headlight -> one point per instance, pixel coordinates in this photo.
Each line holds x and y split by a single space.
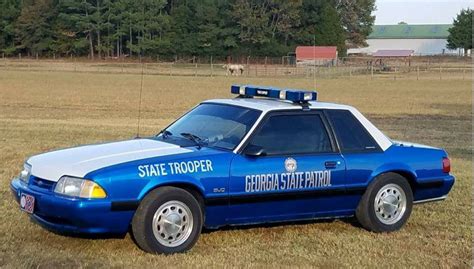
25 173
78 187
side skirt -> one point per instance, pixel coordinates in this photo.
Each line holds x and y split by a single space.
436 199
289 222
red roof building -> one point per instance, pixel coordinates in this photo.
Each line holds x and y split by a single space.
304 53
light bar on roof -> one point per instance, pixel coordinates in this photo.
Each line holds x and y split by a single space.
299 96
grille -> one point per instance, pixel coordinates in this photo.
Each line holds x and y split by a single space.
41 183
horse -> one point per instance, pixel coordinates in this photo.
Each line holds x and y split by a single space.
233 69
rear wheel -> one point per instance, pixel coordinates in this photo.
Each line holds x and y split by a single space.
168 220
386 204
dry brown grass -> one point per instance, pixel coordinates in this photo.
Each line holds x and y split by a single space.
45 110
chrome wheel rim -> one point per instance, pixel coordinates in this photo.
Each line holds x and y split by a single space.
172 223
390 204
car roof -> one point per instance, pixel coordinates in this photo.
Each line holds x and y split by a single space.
269 104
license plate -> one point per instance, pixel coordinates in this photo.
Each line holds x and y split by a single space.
27 203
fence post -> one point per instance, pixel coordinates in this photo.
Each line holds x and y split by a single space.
371 71
75 66
395 74
463 73
266 74
350 72
248 66
19 56
195 66
417 73
256 69
212 68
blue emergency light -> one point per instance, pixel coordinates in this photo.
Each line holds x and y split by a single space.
298 96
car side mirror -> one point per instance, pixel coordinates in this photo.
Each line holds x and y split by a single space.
254 151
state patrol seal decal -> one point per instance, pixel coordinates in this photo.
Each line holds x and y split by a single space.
290 165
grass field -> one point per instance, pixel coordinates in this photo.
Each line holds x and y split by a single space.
41 111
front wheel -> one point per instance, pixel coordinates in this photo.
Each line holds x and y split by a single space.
386 204
168 220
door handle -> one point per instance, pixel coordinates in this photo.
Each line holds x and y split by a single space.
330 164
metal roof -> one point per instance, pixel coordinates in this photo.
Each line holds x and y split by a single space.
393 53
315 52
410 31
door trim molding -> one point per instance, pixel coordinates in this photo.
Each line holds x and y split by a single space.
264 197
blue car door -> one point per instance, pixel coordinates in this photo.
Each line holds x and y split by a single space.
288 169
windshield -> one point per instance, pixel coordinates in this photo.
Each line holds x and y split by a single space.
211 125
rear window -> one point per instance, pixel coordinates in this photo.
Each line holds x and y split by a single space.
351 134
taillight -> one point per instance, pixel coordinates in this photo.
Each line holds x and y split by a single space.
446 165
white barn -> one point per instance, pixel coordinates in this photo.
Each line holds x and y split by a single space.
428 39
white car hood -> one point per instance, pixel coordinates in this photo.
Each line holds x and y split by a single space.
79 161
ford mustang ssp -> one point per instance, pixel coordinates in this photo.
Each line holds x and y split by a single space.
268 155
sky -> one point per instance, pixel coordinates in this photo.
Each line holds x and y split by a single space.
419 11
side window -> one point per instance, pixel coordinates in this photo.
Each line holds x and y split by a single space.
351 134
293 134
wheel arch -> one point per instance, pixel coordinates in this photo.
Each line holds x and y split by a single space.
409 176
401 169
193 189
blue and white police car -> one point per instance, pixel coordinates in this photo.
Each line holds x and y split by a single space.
281 157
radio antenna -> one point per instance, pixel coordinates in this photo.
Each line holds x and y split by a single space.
140 105
314 62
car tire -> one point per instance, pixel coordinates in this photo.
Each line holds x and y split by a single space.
168 220
386 204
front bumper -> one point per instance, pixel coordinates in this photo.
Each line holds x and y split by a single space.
73 215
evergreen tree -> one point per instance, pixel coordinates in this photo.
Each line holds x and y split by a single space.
77 26
184 28
310 18
460 35
9 12
329 31
207 19
357 19
266 25
33 29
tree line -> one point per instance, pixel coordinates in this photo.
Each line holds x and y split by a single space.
115 28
